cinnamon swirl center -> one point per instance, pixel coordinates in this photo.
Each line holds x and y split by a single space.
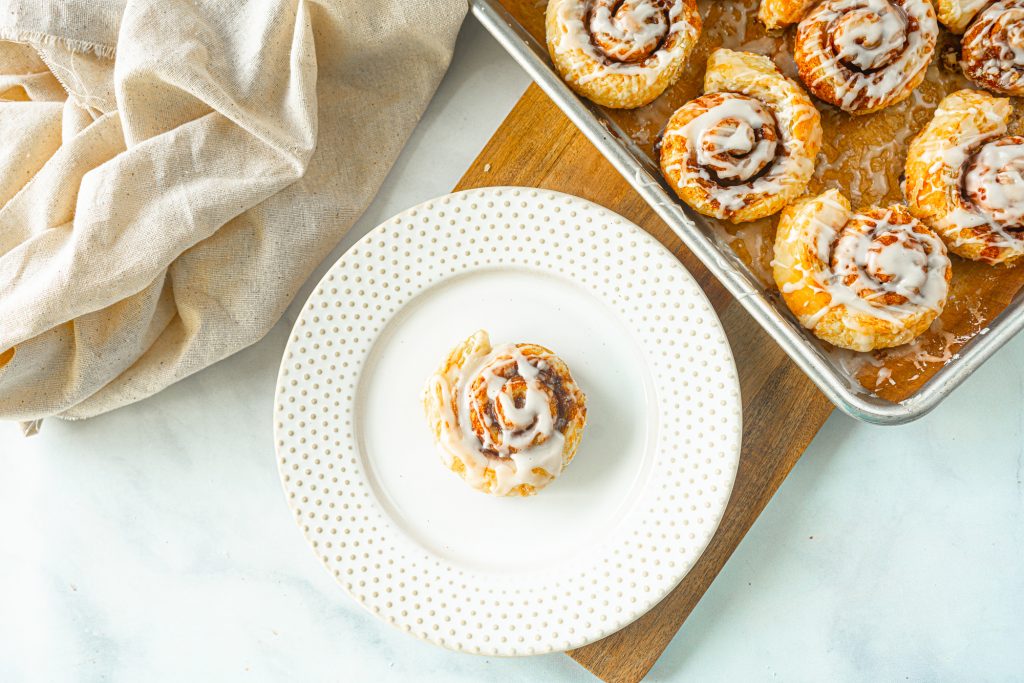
629 31
870 36
516 402
735 140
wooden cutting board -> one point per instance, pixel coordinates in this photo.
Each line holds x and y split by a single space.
537 146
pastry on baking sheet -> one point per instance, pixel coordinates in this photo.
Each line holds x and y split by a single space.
506 419
746 147
965 177
861 280
865 55
621 53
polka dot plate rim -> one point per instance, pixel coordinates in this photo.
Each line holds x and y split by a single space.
604 542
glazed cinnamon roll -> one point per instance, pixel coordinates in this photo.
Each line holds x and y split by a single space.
865 55
621 53
993 48
745 148
957 14
780 13
508 419
965 177
864 280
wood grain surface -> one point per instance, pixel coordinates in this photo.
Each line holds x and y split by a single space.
537 146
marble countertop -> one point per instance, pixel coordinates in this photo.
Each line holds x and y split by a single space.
154 543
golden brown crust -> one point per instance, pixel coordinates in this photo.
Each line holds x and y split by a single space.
506 420
747 146
776 14
993 48
865 58
621 54
957 14
834 269
975 208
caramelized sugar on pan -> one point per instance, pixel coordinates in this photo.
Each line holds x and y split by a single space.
864 157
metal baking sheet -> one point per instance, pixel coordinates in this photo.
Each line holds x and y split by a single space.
841 387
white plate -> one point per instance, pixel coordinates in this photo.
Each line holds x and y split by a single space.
601 544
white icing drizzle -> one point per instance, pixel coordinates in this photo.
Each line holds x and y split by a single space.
530 447
735 139
632 32
862 259
993 48
994 180
866 50
640 38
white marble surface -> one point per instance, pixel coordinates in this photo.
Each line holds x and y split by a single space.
154 543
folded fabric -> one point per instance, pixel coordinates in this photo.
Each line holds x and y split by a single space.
173 170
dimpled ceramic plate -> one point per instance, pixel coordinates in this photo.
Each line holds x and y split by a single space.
606 540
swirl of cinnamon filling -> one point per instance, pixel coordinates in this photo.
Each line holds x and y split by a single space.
621 53
865 55
747 146
993 48
628 30
965 177
507 419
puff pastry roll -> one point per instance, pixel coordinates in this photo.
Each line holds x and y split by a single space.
965 177
863 280
746 147
507 419
621 53
865 55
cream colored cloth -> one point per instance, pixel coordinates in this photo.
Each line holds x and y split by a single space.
173 170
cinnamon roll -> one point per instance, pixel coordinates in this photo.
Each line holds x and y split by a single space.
745 148
621 53
864 280
865 55
781 13
507 419
993 48
965 177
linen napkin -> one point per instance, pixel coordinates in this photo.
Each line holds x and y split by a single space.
173 170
